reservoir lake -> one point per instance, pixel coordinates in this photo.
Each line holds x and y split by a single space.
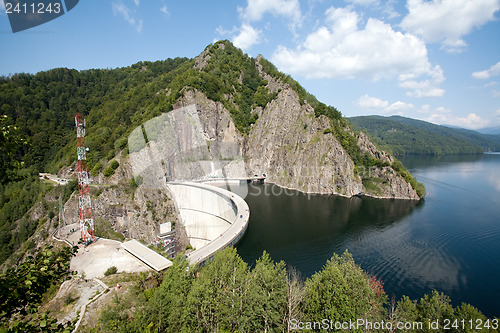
449 242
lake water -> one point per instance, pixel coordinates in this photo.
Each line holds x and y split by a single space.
449 242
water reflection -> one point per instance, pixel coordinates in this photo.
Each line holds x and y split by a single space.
413 162
305 230
449 242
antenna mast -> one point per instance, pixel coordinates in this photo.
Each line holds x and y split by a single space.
84 202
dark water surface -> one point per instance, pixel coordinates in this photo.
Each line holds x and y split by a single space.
449 242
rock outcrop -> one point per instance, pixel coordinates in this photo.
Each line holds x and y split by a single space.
132 212
294 148
288 144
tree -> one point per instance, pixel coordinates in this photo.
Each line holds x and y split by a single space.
341 292
217 298
295 296
22 288
165 310
437 308
11 143
266 301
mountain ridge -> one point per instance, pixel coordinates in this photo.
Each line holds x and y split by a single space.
280 129
401 136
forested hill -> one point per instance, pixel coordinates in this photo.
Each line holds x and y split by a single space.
403 136
38 130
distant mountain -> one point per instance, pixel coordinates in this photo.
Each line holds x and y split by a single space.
404 136
490 130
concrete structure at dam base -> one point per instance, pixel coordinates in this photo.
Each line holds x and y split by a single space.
214 218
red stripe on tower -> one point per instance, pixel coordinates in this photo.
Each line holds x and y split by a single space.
86 218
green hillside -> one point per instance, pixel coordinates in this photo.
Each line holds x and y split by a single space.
38 130
405 136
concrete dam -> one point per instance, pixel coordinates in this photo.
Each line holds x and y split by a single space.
214 218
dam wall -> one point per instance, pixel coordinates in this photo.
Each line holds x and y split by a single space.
214 218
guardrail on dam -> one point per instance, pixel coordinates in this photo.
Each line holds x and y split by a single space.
214 218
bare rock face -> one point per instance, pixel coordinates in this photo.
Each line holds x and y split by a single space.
385 182
202 60
389 185
289 145
365 145
293 148
215 119
134 213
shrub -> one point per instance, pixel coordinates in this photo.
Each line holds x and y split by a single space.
108 172
110 271
96 169
114 164
110 169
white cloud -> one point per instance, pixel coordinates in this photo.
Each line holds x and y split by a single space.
223 32
496 94
428 87
256 9
447 21
437 113
486 74
400 106
137 2
470 121
121 10
389 9
164 10
247 37
490 84
340 49
376 104
366 101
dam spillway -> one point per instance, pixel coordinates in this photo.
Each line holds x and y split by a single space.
214 218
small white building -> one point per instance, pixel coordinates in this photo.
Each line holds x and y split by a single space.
166 238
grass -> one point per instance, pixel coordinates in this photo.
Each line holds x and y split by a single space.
104 229
371 185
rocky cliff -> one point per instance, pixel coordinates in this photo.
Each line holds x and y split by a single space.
296 148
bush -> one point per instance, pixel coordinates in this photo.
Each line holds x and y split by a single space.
69 189
108 172
114 164
133 184
96 169
110 169
110 271
70 299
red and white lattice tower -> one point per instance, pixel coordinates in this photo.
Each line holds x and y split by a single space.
84 202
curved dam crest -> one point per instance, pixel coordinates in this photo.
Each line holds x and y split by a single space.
214 218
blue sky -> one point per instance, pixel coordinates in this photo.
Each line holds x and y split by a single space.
436 60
